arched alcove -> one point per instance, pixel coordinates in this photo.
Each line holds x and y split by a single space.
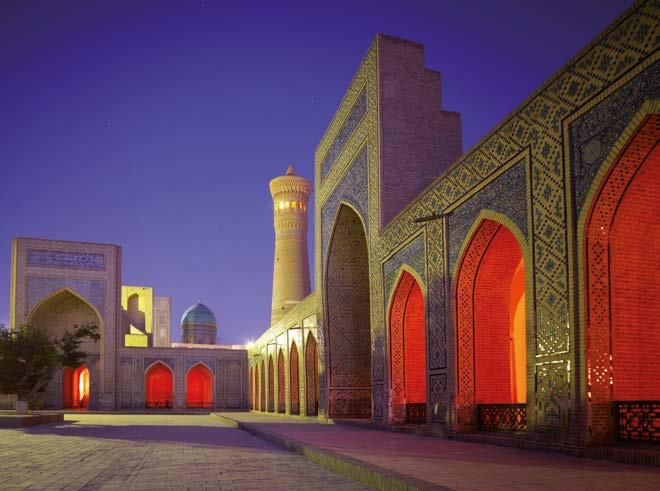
294 380
490 330
348 318
199 387
159 386
407 322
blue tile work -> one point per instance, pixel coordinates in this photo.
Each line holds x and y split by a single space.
65 259
413 255
353 190
191 362
593 134
150 360
351 122
92 291
505 194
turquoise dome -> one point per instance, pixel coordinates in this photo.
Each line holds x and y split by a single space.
198 314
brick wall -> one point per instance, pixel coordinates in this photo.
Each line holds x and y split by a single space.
418 139
492 316
635 286
415 347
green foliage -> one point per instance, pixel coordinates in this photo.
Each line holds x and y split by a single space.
29 356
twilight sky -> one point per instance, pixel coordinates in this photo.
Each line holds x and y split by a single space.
156 125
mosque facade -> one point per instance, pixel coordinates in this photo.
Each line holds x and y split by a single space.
135 365
505 293
509 290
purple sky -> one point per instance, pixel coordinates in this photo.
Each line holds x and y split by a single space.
156 125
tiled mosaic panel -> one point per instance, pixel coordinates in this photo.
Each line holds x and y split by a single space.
352 121
412 255
505 194
349 336
65 259
353 190
150 360
593 134
92 291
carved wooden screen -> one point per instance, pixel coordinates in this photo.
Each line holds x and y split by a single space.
349 333
312 376
281 387
294 380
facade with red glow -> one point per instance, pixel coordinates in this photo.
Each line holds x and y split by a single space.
59 284
508 289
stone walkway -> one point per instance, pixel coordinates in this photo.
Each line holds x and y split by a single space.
455 464
105 451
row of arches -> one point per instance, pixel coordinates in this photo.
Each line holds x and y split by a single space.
491 288
264 400
159 386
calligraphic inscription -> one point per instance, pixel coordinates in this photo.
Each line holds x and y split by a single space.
65 259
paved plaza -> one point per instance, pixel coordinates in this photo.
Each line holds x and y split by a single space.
123 451
453 464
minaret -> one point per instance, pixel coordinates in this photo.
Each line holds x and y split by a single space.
291 270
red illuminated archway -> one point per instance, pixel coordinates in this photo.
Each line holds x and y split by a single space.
408 352
622 296
294 380
159 382
75 387
199 387
281 387
312 376
490 330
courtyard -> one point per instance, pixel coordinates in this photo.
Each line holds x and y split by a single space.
129 451
209 451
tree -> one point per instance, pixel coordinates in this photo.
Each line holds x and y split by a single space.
30 357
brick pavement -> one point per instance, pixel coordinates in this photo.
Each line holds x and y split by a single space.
456 464
128 451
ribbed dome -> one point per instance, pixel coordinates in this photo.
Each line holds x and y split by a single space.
198 314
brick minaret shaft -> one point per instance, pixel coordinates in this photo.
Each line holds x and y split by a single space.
291 266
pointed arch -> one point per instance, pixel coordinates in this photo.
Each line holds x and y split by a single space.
311 376
407 342
271 385
491 312
159 385
58 309
347 302
199 387
262 387
281 382
75 385
620 234
294 380
252 385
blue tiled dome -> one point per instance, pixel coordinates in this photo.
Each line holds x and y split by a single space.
198 314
